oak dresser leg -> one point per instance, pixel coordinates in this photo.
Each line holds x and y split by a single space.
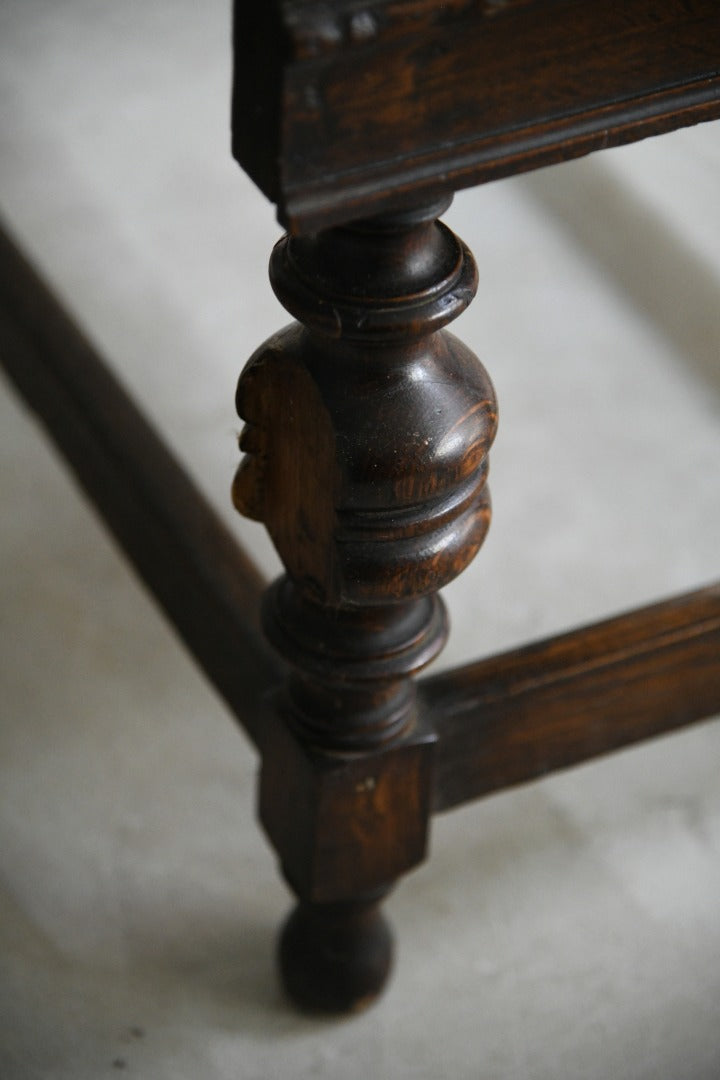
367 427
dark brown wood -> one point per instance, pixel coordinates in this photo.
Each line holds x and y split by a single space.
556 703
201 579
351 108
367 432
357 108
335 958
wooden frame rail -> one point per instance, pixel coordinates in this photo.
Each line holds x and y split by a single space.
201 579
345 109
516 717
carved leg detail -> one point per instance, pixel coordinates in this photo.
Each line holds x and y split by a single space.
366 440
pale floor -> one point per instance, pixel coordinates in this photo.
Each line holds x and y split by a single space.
569 930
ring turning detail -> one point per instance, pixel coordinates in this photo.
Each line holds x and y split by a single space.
367 432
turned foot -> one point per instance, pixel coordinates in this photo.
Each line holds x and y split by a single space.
335 958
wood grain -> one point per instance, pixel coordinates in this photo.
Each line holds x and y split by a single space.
346 109
557 703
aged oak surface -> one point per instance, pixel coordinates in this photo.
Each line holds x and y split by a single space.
204 583
366 440
367 427
367 430
348 108
556 703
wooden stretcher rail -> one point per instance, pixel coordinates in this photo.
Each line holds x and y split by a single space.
203 582
550 705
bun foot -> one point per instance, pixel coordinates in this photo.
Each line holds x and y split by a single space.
335 958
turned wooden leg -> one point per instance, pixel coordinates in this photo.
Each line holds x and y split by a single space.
366 439
336 957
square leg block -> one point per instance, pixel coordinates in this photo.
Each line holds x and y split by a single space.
345 825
